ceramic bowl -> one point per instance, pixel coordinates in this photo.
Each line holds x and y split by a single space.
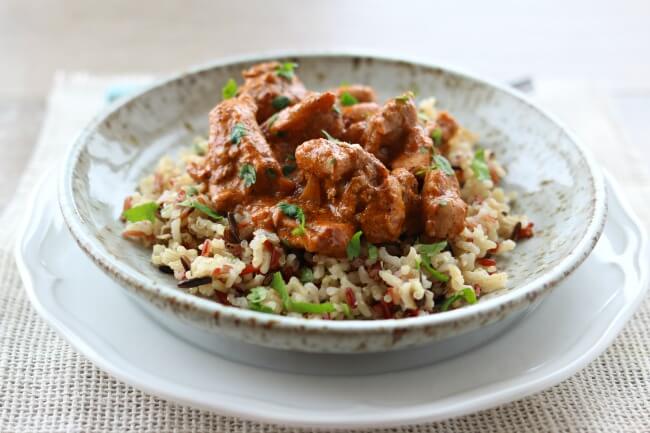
557 182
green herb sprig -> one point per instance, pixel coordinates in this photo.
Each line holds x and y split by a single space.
480 167
295 212
247 174
229 90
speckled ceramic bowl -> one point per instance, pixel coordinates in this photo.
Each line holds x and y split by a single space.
559 187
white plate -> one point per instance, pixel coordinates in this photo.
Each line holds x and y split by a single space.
577 323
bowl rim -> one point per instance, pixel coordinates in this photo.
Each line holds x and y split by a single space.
513 299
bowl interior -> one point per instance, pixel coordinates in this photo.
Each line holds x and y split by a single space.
551 176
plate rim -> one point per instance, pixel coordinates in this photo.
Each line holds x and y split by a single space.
489 398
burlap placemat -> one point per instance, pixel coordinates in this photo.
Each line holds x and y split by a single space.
46 387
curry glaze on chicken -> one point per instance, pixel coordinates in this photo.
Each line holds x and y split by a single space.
347 161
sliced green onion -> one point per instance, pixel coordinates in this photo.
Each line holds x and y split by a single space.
142 212
354 246
308 307
203 208
348 99
480 167
278 285
229 90
372 252
467 293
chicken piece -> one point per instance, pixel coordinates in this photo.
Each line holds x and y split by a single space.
323 234
358 112
263 84
444 210
304 121
360 92
239 162
394 135
448 128
355 187
412 200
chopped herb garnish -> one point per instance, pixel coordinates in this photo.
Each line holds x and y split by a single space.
479 166
444 165
229 90
328 136
467 293
278 285
431 249
405 97
298 307
280 102
426 252
191 190
257 295
354 246
238 131
348 99
436 136
308 307
202 208
255 298
142 212
372 252
306 275
285 70
247 173
295 212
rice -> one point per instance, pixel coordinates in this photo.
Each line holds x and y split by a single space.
193 247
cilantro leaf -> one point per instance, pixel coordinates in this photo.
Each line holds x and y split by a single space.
295 212
444 165
348 99
480 167
202 208
238 131
280 102
229 90
142 212
431 249
285 70
354 246
248 174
